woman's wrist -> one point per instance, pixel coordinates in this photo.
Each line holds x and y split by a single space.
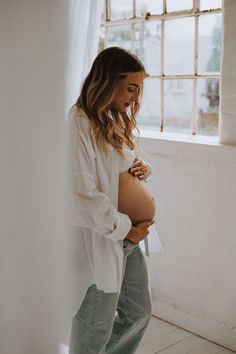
131 234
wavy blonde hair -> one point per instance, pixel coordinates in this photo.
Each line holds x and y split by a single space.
98 92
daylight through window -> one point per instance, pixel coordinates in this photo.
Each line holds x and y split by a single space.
179 43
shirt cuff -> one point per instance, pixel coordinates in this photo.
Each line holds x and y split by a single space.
123 226
149 172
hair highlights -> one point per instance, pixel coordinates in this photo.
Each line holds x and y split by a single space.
98 92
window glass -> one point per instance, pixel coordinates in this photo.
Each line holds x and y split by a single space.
149 114
179 46
208 106
120 36
148 45
210 4
209 52
173 5
143 36
101 43
178 105
153 7
121 9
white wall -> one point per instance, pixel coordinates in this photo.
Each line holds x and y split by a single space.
32 72
228 87
193 280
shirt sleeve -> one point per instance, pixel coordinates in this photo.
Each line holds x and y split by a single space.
140 152
89 207
149 171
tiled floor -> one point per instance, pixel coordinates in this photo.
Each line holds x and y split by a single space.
165 338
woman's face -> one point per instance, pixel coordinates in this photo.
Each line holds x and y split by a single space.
128 91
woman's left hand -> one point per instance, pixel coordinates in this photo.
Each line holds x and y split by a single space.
138 169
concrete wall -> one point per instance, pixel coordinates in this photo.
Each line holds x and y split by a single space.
193 280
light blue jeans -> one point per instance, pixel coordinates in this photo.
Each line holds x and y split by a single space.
114 322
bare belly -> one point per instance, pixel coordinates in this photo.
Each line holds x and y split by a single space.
134 199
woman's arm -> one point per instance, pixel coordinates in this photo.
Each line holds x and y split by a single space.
89 207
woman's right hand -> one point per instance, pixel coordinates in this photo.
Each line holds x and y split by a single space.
138 232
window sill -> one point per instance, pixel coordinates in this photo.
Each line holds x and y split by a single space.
193 147
182 138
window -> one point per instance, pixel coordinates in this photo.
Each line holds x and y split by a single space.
179 43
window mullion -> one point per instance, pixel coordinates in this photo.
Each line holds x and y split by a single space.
194 109
134 8
107 19
132 37
196 5
108 10
141 41
162 73
164 6
162 69
163 17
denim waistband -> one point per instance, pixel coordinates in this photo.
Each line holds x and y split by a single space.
128 244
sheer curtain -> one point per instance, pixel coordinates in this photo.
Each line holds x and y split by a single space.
83 37
84 23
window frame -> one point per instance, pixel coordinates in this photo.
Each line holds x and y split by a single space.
195 12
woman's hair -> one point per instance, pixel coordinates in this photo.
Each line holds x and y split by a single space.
98 92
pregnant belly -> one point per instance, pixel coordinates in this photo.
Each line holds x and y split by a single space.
134 199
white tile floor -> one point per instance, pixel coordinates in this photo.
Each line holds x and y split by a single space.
165 338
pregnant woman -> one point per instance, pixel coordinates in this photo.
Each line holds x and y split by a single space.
110 208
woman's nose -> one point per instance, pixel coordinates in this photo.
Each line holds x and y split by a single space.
135 97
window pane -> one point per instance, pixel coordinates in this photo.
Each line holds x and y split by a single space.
149 114
178 105
121 9
148 45
210 4
179 46
120 36
173 5
208 106
210 28
101 43
144 6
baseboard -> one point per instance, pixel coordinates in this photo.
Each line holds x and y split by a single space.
196 323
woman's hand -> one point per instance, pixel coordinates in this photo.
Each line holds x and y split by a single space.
138 169
138 232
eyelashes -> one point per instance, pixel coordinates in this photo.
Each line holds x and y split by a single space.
132 90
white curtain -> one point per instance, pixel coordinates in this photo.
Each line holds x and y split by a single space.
84 24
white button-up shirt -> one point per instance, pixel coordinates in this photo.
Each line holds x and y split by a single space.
98 228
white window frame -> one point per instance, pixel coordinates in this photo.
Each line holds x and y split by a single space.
194 12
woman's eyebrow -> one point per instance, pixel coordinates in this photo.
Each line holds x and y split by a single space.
134 85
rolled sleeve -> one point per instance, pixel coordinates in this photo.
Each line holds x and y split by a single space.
149 172
123 227
88 206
